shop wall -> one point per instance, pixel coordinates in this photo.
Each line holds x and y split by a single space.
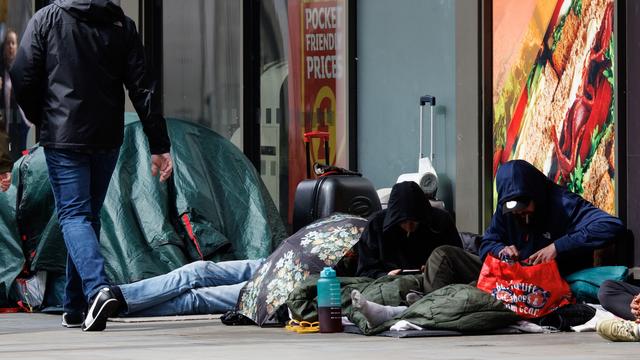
468 197
405 49
633 125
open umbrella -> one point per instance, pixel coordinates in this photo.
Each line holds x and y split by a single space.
322 243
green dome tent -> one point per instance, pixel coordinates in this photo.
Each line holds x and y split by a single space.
215 207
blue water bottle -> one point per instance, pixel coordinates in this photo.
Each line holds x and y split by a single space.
329 306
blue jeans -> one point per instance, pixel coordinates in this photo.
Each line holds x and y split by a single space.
201 287
80 181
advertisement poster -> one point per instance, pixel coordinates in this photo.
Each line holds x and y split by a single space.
554 92
317 83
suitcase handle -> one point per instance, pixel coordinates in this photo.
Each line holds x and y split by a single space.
323 135
316 134
431 100
428 99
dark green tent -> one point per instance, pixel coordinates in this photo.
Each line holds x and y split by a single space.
215 207
11 257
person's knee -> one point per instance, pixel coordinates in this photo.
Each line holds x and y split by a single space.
608 289
76 219
448 249
198 266
444 251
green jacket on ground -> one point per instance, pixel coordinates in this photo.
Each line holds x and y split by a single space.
5 160
455 307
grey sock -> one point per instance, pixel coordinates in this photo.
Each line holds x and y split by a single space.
375 314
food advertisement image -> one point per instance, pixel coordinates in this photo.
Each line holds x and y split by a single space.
554 92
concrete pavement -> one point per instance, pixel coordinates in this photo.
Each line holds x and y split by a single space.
40 336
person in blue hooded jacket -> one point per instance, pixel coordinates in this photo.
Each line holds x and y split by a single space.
537 221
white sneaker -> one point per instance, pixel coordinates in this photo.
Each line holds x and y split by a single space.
618 330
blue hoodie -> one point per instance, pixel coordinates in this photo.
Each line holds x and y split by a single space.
574 225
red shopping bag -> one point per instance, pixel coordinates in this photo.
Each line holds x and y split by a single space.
531 291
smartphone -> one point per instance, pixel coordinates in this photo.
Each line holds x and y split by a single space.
410 272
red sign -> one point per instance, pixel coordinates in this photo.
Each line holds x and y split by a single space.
316 83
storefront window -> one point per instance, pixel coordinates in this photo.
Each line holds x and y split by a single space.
14 16
303 88
202 60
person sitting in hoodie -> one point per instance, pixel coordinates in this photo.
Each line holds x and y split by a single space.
402 237
537 221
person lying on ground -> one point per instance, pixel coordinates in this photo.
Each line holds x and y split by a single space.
200 287
402 237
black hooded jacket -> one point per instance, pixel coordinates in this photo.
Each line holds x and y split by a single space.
384 246
68 77
574 225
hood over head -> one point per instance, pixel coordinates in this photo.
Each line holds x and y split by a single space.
92 10
407 201
519 180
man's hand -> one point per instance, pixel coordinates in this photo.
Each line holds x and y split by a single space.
509 252
5 181
395 272
162 163
544 255
635 307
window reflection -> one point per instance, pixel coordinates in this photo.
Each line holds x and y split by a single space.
14 16
202 45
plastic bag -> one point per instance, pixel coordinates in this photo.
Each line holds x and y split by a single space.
531 291
30 291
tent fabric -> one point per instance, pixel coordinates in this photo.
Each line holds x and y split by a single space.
230 213
36 218
11 256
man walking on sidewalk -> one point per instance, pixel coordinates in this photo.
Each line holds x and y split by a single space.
68 78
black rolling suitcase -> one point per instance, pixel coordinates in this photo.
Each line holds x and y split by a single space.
329 193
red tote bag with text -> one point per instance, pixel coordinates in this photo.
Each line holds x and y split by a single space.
531 291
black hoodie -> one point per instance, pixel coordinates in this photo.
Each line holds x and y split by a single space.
68 77
384 246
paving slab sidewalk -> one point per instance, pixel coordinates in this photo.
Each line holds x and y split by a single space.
40 336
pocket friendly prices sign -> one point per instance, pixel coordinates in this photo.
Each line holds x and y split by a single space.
323 70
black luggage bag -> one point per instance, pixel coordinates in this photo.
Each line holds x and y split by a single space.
321 197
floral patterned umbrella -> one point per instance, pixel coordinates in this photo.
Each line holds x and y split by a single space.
322 243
